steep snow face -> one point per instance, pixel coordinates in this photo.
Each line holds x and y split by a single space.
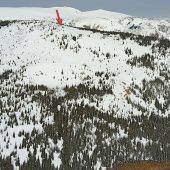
36 13
108 21
41 13
103 14
99 19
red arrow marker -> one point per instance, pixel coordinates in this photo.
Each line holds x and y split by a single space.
60 21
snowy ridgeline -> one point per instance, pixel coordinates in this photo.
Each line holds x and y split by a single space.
86 97
99 19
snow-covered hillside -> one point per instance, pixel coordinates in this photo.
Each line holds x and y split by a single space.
89 94
99 19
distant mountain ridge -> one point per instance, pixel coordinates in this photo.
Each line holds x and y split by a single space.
98 19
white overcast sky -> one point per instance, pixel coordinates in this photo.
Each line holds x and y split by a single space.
148 8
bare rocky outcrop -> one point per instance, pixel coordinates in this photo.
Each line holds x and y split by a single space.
144 165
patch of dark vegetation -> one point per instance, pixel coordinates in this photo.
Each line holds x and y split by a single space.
99 73
85 90
74 38
140 39
151 92
163 44
86 118
128 51
5 74
6 163
6 23
146 60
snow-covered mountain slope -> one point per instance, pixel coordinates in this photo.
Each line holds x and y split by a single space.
99 19
81 98
36 13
